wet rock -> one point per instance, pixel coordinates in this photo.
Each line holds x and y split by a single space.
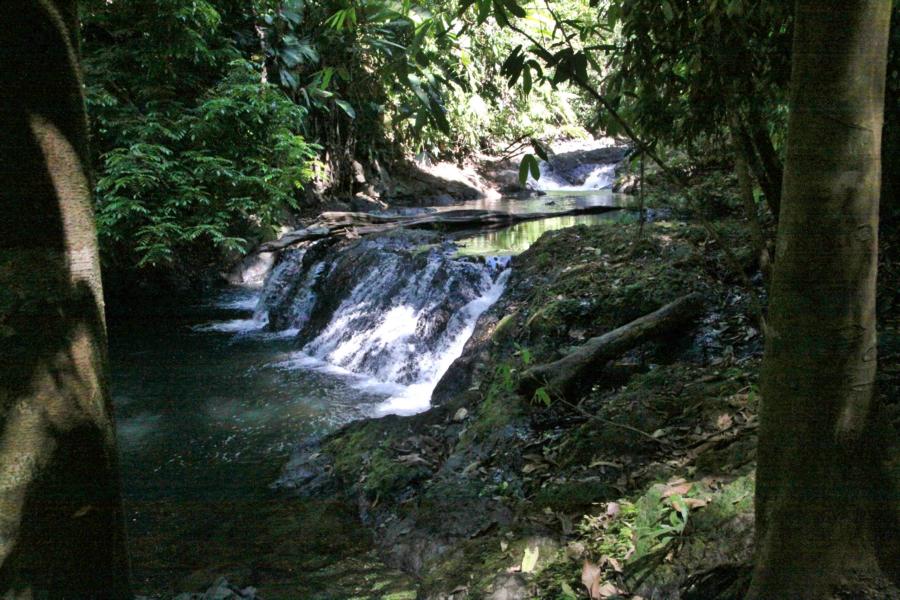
337 206
366 203
576 165
509 586
411 550
359 173
627 184
387 306
423 183
309 473
253 268
221 590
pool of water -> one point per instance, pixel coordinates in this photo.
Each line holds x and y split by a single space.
551 201
206 420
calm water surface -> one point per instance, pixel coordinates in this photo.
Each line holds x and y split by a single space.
206 420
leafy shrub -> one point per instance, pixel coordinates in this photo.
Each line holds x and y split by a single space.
202 179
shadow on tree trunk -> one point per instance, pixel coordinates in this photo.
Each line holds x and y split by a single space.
61 522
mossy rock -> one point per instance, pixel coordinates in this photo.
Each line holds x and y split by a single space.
385 475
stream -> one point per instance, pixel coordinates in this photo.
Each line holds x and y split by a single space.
209 412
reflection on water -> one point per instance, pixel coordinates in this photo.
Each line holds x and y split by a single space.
521 236
208 414
549 202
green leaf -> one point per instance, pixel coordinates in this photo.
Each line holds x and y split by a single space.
439 114
484 10
346 107
567 591
523 170
667 10
612 15
541 396
535 168
514 8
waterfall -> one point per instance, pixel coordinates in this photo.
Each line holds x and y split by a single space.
391 312
596 177
580 166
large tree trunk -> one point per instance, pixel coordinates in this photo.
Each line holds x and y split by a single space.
61 522
819 488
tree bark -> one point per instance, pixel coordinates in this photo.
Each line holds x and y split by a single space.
768 173
820 485
771 170
61 520
569 372
745 182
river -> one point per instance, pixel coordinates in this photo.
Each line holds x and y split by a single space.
207 415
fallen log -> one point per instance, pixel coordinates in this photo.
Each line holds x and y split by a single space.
351 224
587 360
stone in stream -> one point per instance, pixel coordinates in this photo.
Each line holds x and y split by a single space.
220 590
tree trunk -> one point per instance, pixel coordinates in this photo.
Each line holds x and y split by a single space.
745 182
819 483
771 170
61 521
586 363
354 224
769 177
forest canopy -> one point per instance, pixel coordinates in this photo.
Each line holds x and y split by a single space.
213 120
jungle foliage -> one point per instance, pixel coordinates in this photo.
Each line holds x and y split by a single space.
213 120
210 117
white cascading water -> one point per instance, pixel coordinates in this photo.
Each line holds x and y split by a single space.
599 177
383 313
393 339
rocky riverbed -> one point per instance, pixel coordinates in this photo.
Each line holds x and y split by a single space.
487 493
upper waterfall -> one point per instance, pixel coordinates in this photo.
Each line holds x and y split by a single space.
581 165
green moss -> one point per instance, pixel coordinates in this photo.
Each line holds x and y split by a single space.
423 249
505 328
385 475
403 595
497 411
347 449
